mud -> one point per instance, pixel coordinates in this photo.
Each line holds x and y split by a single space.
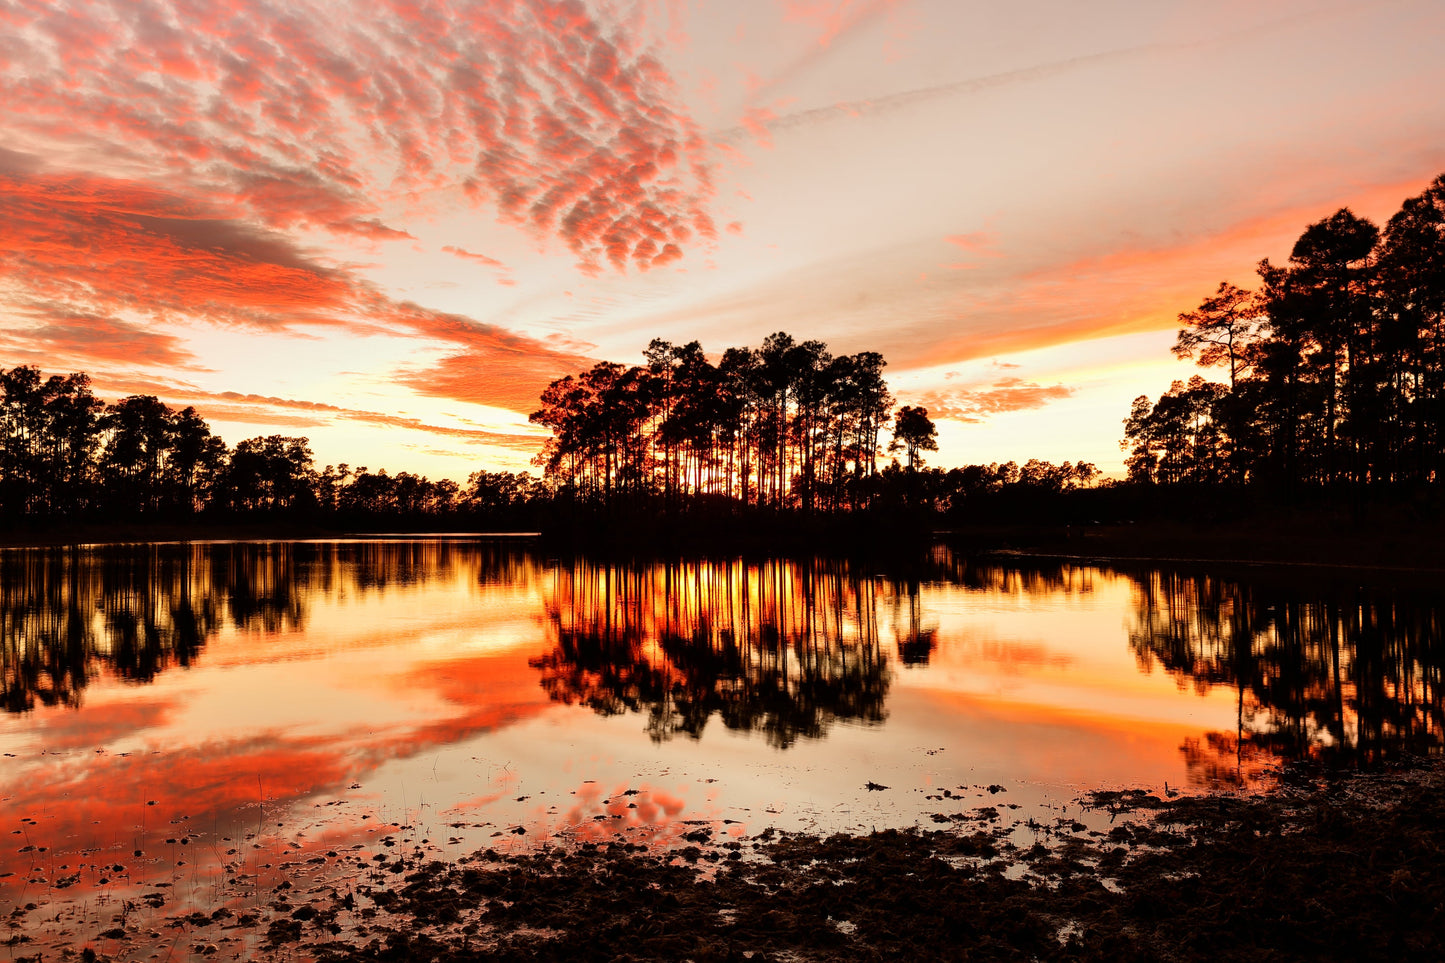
1323 867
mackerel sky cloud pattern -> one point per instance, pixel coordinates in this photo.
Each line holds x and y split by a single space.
161 157
306 115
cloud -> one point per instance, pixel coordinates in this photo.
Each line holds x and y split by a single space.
480 258
1132 288
496 378
99 267
548 113
1046 293
65 338
82 245
977 241
834 18
977 405
300 413
254 415
909 98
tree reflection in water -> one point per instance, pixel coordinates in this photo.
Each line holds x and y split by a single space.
68 614
1342 676
780 647
786 648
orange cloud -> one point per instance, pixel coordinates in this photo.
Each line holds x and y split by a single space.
72 242
978 241
66 338
81 251
295 413
506 379
975 405
1128 290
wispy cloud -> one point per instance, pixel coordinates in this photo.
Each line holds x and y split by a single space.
844 110
66 339
77 244
101 267
835 17
472 256
976 404
250 408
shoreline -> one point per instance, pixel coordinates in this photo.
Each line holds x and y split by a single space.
1297 546
1345 869
1342 866
1381 553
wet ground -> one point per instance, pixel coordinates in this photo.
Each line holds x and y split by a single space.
1347 867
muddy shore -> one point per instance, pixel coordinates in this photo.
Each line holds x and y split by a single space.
1323 867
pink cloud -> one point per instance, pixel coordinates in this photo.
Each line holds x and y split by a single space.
756 120
553 116
834 18
479 258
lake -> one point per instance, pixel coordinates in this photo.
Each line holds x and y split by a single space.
188 726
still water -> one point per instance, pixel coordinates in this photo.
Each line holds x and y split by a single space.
207 716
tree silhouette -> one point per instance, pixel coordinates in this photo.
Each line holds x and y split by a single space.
1337 367
913 432
1220 330
783 426
66 454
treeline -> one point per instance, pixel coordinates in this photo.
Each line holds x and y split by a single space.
66 454
783 426
1336 365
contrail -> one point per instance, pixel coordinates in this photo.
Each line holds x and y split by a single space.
854 108
879 105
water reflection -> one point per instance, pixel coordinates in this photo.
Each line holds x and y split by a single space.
783 648
68 615
1347 675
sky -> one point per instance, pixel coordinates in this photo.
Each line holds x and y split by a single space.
386 226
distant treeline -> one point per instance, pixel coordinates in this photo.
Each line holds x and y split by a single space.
810 443
1336 368
66 454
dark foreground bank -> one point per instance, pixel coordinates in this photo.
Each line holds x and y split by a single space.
1348 869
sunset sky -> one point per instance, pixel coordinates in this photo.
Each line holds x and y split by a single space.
387 225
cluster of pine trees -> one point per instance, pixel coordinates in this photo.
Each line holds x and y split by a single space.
66 453
1336 367
785 426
